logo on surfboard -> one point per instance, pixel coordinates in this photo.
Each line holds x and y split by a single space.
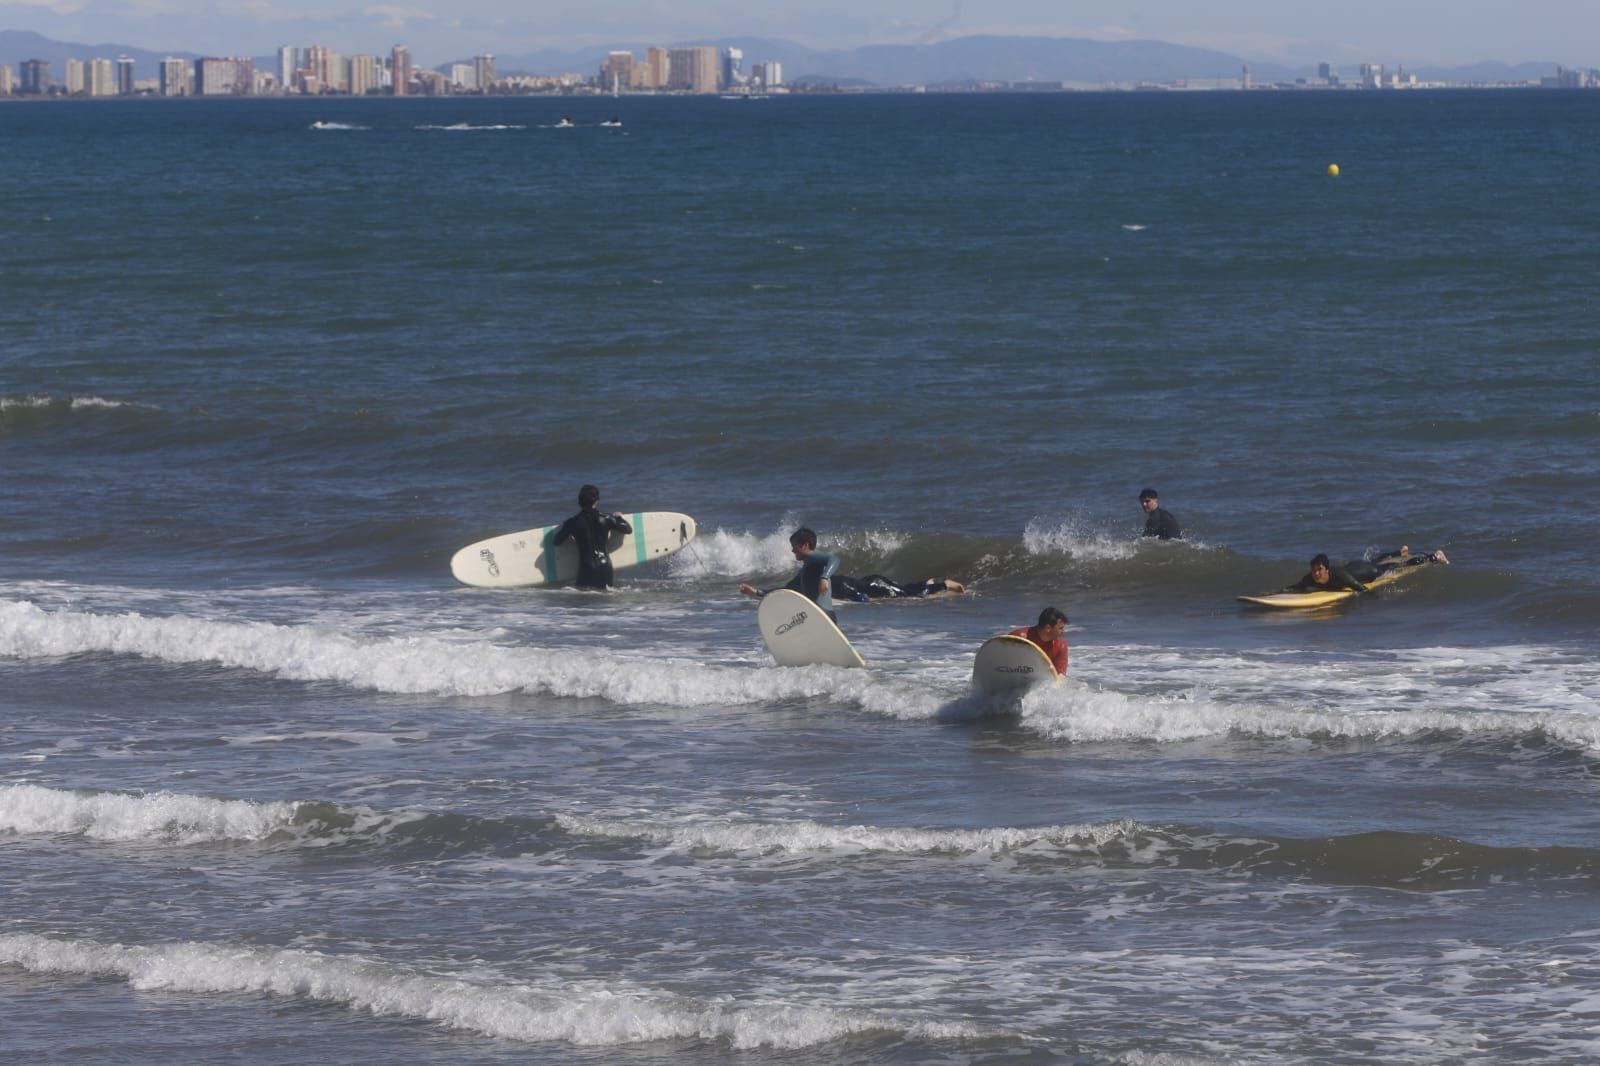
798 620
1013 669
488 558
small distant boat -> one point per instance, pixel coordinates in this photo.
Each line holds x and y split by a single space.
612 122
565 123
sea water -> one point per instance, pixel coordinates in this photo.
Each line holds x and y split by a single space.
274 788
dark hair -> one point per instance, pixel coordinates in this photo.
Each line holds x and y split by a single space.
1320 559
1050 616
588 496
803 536
1148 494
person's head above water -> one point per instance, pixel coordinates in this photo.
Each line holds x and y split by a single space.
1052 623
1149 499
588 496
802 538
1321 568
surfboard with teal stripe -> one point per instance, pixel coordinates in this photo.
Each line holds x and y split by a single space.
527 559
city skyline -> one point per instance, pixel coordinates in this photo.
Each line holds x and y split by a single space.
317 69
1426 32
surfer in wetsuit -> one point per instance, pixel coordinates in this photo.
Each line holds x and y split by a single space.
1401 557
878 587
1325 577
1159 522
814 578
590 529
1050 635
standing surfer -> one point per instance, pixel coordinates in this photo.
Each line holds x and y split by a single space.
591 529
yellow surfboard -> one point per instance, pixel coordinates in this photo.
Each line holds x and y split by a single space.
1304 600
1010 663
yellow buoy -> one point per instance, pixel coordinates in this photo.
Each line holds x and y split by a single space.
1333 170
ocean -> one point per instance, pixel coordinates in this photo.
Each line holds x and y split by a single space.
275 788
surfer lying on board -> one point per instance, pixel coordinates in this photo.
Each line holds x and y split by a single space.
1051 636
591 528
813 580
878 587
1325 577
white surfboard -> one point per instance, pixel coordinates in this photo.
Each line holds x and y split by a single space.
1010 664
799 633
519 560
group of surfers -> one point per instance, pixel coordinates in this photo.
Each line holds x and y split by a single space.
818 578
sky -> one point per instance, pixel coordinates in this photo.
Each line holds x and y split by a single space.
1410 32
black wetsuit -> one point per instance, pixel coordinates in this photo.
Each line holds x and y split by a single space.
878 587
590 529
1161 523
1365 570
1338 579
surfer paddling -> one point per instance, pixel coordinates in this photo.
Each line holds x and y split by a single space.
814 578
878 587
1050 635
590 529
1354 574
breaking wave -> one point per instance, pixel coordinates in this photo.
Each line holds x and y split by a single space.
589 1013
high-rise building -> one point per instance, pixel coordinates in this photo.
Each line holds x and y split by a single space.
732 67
99 78
323 66
174 77
74 77
125 71
231 76
769 74
35 77
483 70
400 70
657 68
694 69
463 76
8 83
364 74
286 66
616 72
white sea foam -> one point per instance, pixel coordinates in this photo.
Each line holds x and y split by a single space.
1069 538
444 667
814 836
458 127
591 1013
75 403
1082 713
337 126
722 553
162 816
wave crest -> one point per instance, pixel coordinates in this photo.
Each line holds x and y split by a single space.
582 1013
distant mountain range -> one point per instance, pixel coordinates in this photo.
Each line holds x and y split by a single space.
18 45
1008 59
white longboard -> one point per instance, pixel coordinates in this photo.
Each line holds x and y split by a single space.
1010 664
799 633
517 560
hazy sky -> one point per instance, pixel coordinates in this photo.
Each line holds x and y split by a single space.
1413 32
